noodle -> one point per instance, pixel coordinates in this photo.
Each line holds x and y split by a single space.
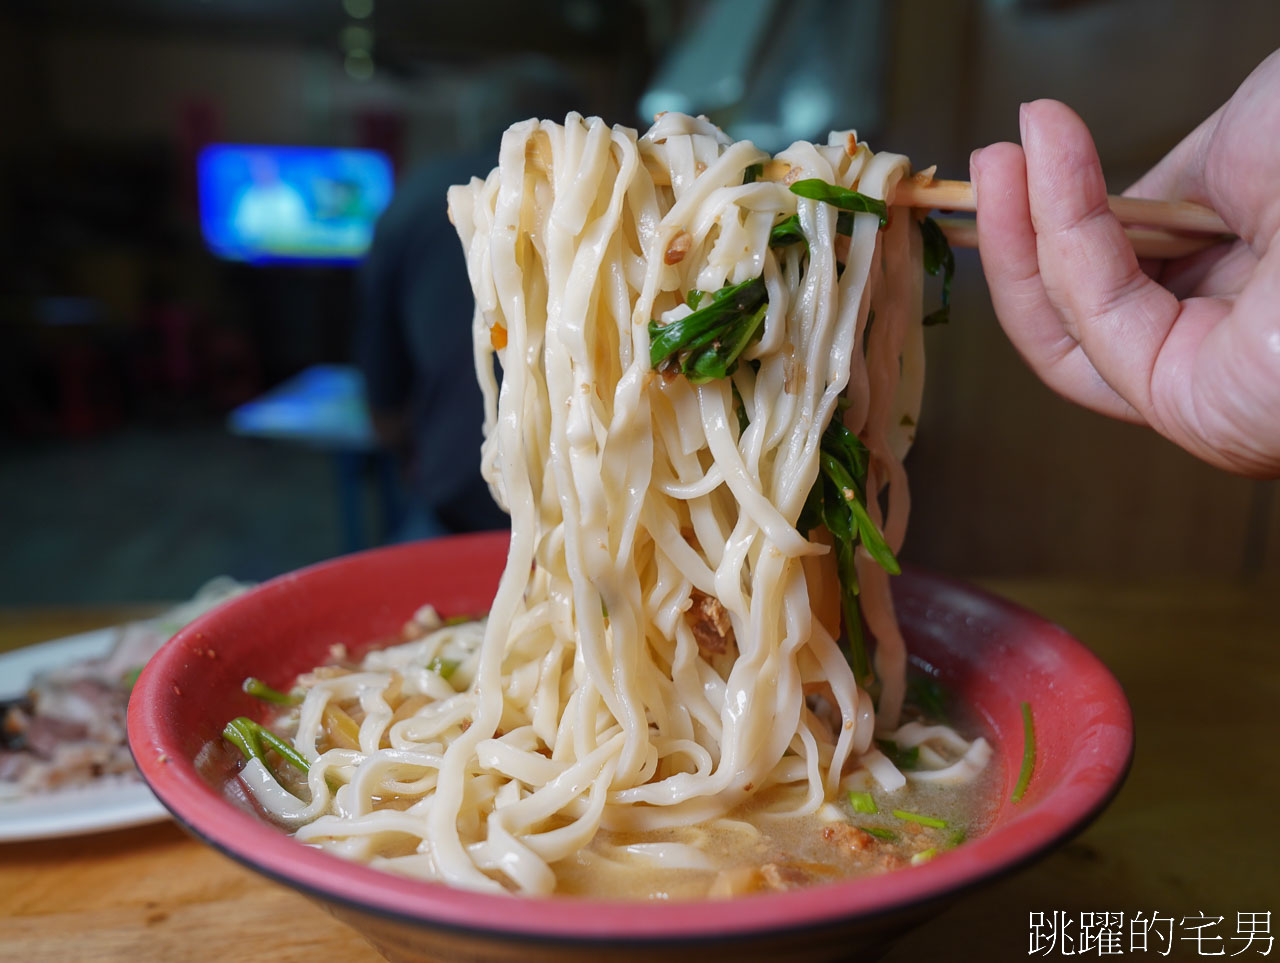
663 644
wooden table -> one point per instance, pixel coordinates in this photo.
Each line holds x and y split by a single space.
1195 828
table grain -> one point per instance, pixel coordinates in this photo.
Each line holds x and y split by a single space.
1194 829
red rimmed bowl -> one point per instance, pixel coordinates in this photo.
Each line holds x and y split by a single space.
990 653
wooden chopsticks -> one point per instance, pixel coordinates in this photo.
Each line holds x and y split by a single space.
1160 229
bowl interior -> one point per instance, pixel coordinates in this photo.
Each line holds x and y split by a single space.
991 654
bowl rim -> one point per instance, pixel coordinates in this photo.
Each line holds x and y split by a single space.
1045 824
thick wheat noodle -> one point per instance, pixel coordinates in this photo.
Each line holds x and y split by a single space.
588 704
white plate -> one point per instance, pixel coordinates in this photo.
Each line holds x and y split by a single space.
112 802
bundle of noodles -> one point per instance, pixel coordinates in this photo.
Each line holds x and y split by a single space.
711 369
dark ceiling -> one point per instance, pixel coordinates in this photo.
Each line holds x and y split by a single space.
406 31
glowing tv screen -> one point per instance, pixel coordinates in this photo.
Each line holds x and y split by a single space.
271 205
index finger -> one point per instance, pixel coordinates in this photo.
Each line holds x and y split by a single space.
1007 244
1119 315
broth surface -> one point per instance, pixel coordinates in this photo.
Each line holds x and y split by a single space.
753 851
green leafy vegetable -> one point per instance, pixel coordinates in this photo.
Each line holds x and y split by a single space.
1028 753
929 695
847 573
752 173
720 358
871 538
863 802
879 833
243 738
841 197
248 736
922 820
901 757
837 501
938 257
694 298
286 751
740 407
786 232
260 690
707 343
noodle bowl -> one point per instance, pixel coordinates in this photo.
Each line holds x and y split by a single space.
664 650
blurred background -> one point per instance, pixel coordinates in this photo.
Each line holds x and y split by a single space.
222 218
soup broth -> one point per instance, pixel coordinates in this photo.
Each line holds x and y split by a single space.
753 852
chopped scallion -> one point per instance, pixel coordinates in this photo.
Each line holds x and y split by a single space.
260 690
243 738
445 668
1028 753
871 538
720 358
924 856
816 189
879 833
938 256
930 696
863 802
248 736
706 344
787 232
740 406
287 752
910 817
837 501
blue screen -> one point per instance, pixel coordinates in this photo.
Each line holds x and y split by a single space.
312 205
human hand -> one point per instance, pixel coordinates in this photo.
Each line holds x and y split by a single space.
1190 346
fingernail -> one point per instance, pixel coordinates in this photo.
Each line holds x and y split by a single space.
973 172
1022 122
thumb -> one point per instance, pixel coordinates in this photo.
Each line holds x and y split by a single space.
1228 162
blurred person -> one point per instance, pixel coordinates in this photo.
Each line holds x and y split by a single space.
413 345
413 329
1190 346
